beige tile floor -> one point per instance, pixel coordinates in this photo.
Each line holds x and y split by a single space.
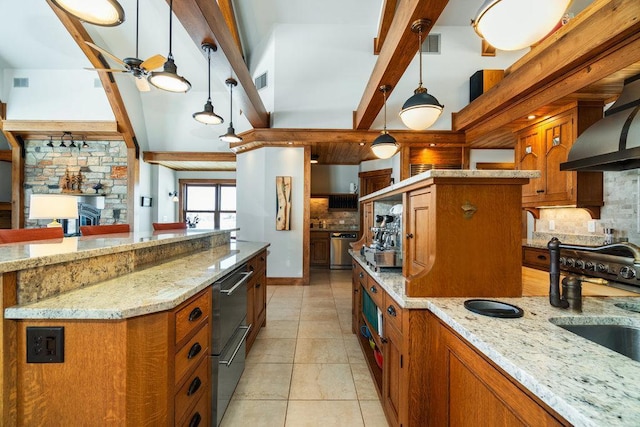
306 368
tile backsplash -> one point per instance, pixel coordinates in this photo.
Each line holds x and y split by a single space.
345 220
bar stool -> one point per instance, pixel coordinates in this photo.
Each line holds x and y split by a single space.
92 230
169 225
30 234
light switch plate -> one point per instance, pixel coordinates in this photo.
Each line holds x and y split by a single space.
591 226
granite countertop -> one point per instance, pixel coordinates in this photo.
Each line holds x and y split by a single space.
585 383
151 289
20 256
452 173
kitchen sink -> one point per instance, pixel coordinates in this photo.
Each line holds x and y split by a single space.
622 339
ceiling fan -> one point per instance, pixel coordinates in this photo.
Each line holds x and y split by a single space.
137 67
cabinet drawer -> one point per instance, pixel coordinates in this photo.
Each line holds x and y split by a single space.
535 258
258 263
375 291
193 315
192 352
199 415
192 390
392 312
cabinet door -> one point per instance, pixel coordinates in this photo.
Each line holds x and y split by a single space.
558 138
392 369
259 301
356 300
251 316
319 249
420 233
367 221
530 157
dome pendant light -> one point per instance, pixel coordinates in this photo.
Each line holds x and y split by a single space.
168 79
384 146
231 136
207 116
517 24
106 13
421 110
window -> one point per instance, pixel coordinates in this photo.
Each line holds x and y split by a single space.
209 204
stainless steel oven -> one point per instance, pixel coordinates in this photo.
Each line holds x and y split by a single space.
229 333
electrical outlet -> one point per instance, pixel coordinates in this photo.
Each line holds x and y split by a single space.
45 344
552 225
591 226
341 221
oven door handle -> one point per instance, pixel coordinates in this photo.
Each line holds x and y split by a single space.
229 291
233 356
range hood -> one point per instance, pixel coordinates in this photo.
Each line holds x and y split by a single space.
613 143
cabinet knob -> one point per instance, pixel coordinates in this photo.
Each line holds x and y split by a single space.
391 310
409 235
384 340
194 386
194 350
258 285
373 289
361 275
195 314
195 420
542 257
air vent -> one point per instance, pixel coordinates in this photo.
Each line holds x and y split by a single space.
261 81
21 82
431 44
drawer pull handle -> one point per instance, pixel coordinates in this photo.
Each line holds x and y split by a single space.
237 285
373 290
539 191
194 350
542 257
409 235
195 314
194 386
258 285
233 355
195 420
384 340
391 311
361 275
261 258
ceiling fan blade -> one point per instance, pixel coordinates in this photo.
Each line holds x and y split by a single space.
108 70
142 84
110 55
154 62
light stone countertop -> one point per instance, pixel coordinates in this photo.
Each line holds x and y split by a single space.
585 383
150 289
452 173
21 256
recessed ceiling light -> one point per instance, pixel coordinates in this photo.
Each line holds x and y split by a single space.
432 145
362 143
290 143
531 116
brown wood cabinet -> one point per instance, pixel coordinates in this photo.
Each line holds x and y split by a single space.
149 370
358 280
319 248
257 297
465 389
537 258
544 146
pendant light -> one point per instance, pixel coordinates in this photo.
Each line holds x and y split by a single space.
168 79
421 110
516 24
106 13
207 116
384 146
231 136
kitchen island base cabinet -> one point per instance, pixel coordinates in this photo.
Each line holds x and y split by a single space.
122 372
467 390
256 297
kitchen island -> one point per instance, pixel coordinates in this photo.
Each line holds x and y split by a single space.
581 382
136 313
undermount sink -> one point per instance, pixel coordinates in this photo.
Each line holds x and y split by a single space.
622 339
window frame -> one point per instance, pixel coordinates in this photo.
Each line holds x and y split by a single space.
218 183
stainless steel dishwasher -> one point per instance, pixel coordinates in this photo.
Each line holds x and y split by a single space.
339 253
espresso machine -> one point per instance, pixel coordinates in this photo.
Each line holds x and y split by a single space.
385 249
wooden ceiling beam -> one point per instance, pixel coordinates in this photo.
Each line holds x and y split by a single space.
386 17
399 49
59 126
80 35
5 156
599 41
226 7
185 156
204 21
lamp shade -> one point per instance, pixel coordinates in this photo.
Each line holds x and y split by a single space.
53 206
230 136
516 24
421 110
106 13
207 116
384 146
168 79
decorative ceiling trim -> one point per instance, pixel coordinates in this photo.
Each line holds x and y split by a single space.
399 49
205 22
80 35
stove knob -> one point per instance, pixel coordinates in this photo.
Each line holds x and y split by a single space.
590 266
571 262
627 272
563 260
580 264
602 268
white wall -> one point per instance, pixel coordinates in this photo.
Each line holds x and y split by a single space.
264 61
333 178
257 171
490 156
166 210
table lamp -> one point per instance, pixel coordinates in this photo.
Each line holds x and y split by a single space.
53 206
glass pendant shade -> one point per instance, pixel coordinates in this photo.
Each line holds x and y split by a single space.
421 110
384 146
517 24
106 13
168 79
